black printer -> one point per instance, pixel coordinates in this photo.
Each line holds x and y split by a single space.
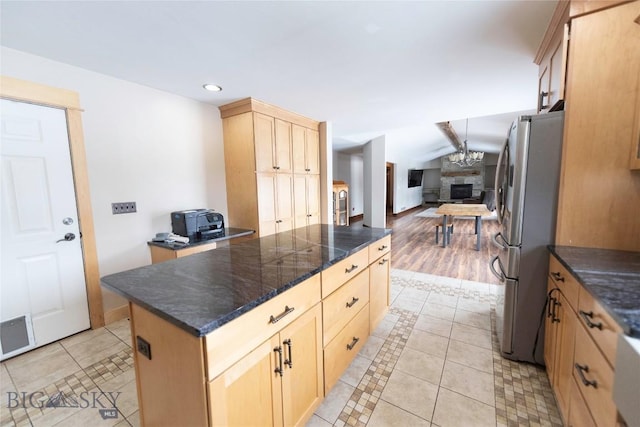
198 224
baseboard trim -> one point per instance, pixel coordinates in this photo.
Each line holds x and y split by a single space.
356 218
116 314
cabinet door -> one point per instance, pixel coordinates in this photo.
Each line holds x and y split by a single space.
299 141
282 149
267 214
300 200
302 381
550 332
264 135
284 201
634 160
565 343
313 199
312 151
379 289
249 393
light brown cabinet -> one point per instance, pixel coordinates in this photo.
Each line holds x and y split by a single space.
306 199
380 279
552 60
634 157
263 146
579 353
601 124
287 398
306 150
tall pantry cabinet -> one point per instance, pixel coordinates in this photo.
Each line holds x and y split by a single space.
272 163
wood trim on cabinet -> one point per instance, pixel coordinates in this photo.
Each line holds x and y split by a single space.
250 104
583 7
35 93
176 364
558 19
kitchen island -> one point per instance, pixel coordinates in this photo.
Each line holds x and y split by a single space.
255 332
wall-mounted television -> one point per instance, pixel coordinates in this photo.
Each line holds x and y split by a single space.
461 191
415 177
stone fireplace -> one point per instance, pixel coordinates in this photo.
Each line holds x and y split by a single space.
451 173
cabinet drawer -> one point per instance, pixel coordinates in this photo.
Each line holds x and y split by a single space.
602 328
591 366
565 281
379 248
344 347
342 305
334 276
579 414
227 344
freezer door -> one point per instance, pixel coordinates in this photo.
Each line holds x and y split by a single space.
505 314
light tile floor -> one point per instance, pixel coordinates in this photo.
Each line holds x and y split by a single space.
433 361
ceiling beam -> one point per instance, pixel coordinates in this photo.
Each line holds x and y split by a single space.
451 135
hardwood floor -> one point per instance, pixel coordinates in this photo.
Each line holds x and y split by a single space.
414 247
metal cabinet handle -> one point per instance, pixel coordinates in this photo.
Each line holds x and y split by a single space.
353 343
555 318
288 361
585 381
541 98
382 248
279 317
384 261
67 238
278 221
557 276
279 369
587 319
349 270
308 170
353 301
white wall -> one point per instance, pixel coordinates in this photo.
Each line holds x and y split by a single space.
375 176
160 150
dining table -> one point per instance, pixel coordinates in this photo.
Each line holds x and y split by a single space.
463 209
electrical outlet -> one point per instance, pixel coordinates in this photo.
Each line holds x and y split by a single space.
123 207
144 348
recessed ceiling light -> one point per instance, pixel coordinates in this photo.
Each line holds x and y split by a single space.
212 88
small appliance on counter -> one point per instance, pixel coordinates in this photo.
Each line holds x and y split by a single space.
198 224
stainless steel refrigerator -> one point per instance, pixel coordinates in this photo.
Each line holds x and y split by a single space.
526 191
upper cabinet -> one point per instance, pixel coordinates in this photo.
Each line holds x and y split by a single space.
267 150
599 196
552 61
306 150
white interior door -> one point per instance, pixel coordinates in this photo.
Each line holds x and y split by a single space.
42 266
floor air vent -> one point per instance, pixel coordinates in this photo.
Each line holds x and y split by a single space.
16 336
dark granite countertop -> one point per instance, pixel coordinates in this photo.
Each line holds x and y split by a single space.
202 292
612 277
229 233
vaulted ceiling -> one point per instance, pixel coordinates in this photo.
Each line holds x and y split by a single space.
391 68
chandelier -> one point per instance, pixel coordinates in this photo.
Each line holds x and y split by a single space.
464 157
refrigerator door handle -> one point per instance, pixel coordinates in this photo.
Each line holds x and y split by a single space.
500 275
498 188
503 244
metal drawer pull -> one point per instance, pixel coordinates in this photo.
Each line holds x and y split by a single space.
384 261
557 276
288 361
382 248
278 369
349 270
586 382
286 311
587 319
555 304
353 301
353 343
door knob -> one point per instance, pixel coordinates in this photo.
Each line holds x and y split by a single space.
67 221
67 238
